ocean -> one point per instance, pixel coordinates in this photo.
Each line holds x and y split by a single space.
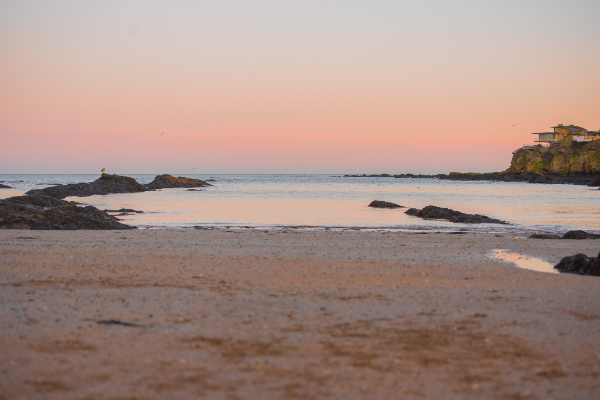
316 201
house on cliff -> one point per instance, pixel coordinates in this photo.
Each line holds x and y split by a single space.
562 133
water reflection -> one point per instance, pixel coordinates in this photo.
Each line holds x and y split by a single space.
531 263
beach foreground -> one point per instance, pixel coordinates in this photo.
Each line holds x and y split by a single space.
287 313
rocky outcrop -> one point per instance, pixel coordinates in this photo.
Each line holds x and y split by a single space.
571 162
579 264
433 212
568 158
106 184
169 181
43 212
384 204
4 186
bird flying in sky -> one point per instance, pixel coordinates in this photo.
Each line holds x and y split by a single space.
103 169
514 125
161 134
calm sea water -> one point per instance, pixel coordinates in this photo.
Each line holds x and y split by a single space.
329 201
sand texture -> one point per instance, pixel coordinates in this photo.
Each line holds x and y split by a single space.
292 314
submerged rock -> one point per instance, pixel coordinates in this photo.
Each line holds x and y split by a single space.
106 184
169 181
125 210
579 264
5 186
384 204
433 212
42 212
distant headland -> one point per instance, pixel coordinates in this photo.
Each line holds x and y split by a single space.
569 154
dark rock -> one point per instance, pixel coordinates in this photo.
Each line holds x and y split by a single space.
412 211
169 181
384 204
106 184
210 180
42 212
4 186
544 236
579 264
592 268
125 210
117 322
541 179
595 182
580 235
433 212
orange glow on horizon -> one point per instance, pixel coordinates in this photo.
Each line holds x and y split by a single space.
252 89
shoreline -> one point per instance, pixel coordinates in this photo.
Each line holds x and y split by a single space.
591 180
460 228
309 314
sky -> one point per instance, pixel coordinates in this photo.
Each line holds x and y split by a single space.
290 86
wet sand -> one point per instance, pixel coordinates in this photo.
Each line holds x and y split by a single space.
289 314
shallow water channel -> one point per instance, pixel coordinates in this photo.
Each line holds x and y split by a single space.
530 263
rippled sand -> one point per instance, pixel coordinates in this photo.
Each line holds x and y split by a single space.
255 314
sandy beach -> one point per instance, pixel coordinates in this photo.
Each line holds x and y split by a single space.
288 313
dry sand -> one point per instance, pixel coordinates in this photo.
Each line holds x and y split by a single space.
255 314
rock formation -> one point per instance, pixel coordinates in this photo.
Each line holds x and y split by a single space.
433 212
169 181
42 212
580 235
384 204
571 162
568 158
106 184
4 186
580 264
46 209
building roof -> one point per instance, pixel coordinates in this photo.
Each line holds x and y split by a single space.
571 128
541 133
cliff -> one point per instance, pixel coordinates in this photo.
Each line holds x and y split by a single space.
568 158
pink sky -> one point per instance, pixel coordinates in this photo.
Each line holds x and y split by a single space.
361 87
